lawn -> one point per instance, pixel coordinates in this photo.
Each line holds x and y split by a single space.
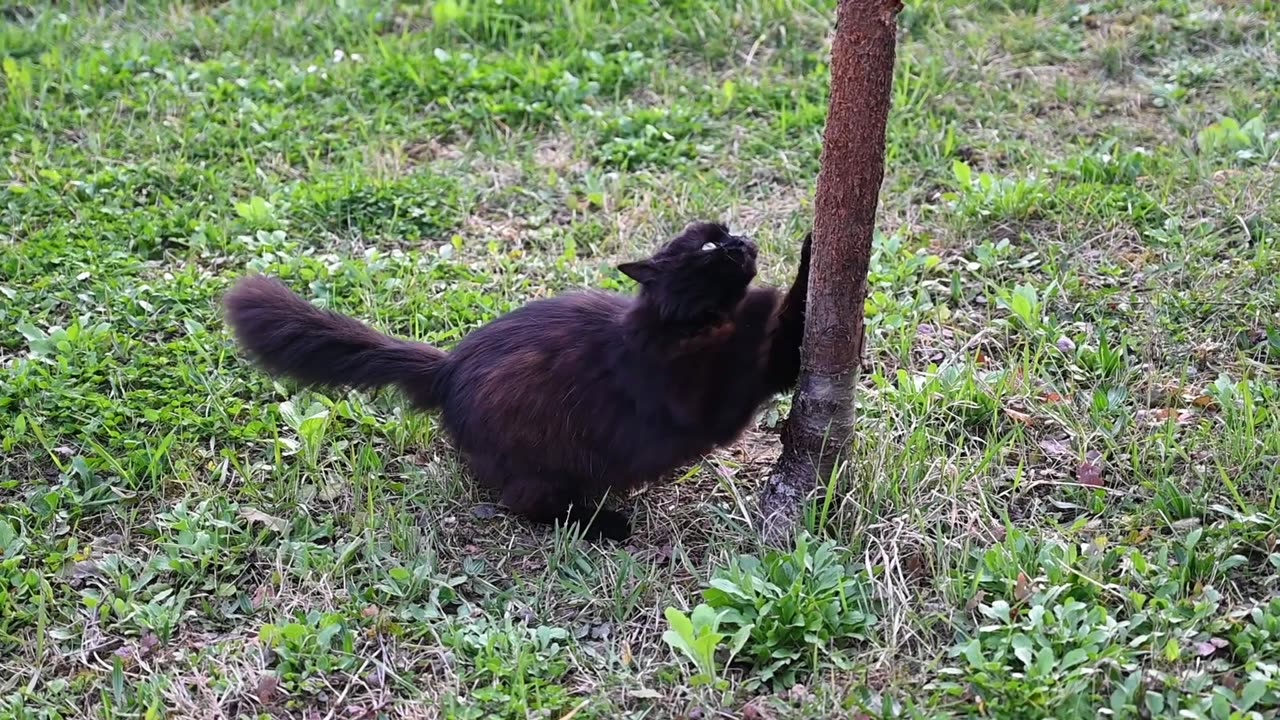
1063 498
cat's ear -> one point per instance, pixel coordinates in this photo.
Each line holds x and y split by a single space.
642 271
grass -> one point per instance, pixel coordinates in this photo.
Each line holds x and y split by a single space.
1062 501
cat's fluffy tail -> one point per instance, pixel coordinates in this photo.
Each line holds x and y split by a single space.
289 336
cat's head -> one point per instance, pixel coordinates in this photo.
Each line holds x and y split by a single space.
700 274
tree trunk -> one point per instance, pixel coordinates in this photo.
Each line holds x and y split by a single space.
821 422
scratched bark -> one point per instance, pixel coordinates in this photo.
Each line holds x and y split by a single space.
852 169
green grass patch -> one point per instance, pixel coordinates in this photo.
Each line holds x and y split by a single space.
1062 496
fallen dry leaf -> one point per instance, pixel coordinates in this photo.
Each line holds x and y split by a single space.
1230 681
262 595
268 690
1210 646
1022 588
271 522
1089 474
1053 397
1056 446
1019 417
659 554
148 644
1180 415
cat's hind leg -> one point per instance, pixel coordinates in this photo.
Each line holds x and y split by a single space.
546 502
600 522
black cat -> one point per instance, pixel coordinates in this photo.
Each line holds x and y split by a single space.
564 399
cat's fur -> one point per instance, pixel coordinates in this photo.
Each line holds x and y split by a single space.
564 399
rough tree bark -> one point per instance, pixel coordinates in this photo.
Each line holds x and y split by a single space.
821 423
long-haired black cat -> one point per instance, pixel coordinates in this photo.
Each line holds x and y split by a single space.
564 399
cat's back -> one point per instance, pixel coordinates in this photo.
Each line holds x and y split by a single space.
555 323
520 382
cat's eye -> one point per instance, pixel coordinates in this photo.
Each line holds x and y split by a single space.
709 247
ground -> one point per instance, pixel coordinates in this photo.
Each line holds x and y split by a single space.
1063 493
